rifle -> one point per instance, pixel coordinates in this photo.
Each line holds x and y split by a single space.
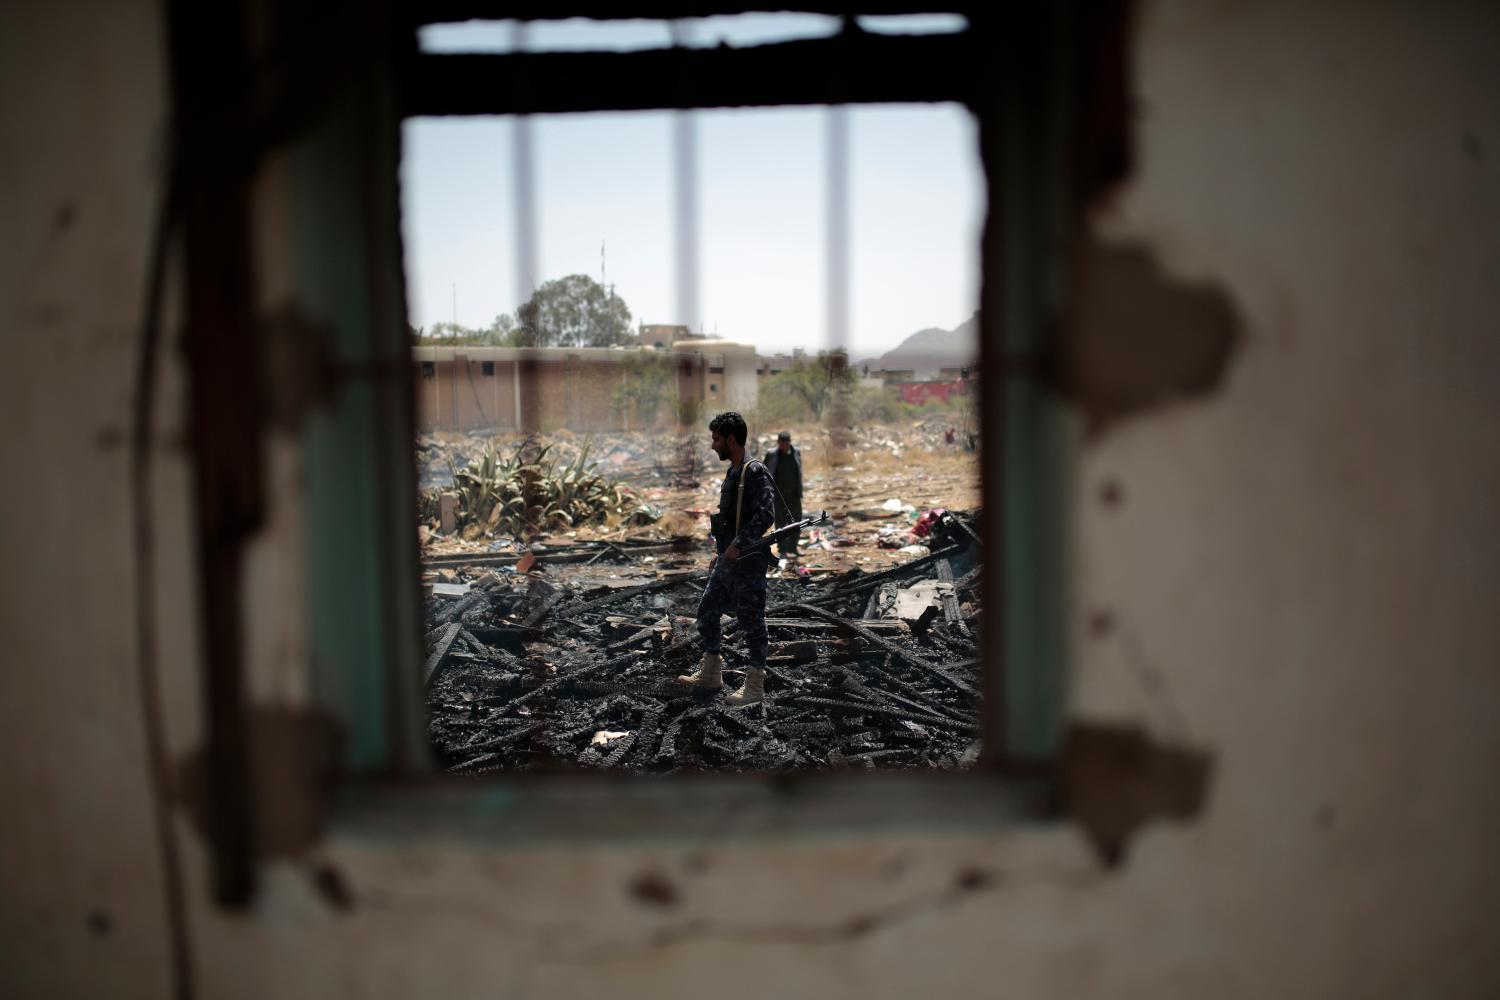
766 541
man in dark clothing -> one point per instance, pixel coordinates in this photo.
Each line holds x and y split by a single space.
736 581
785 464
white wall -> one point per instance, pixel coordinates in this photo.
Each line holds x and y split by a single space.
1307 559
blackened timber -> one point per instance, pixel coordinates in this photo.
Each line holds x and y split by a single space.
894 573
875 69
569 554
628 592
864 708
951 613
891 647
515 736
540 610
916 706
621 748
962 524
808 624
945 575
440 652
634 639
461 607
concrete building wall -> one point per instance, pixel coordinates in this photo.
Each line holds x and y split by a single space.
458 395
558 388
1296 572
723 372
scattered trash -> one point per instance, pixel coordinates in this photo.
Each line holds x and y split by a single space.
892 505
450 589
605 736
927 522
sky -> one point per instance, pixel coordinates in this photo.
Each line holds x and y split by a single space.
916 201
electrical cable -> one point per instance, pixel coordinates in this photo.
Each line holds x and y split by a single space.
148 676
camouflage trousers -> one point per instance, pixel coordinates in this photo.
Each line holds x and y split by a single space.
740 591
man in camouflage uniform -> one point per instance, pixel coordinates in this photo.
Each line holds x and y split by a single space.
736 582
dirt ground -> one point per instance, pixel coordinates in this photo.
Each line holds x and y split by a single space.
876 483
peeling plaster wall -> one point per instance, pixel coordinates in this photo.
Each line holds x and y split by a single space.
1296 572
81 120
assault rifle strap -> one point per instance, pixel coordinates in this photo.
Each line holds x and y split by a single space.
739 497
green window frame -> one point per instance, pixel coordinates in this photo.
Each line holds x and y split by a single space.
362 554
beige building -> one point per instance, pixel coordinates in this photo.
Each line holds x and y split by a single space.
720 373
662 335
507 388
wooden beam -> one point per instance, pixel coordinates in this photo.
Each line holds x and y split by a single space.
846 69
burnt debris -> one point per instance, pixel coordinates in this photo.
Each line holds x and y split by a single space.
558 669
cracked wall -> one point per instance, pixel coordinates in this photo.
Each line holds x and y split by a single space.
1290 565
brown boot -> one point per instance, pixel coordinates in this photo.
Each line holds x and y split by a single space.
710 673
753 691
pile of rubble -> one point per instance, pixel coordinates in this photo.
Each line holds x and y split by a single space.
543 660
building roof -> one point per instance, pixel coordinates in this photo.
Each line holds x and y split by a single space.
473 353
712 345
427 352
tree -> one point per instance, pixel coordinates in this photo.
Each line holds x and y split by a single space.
503 332
447 334
575 311
815 381
643 385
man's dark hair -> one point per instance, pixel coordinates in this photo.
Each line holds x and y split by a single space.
730 425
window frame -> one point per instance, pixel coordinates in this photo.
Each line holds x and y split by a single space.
359 447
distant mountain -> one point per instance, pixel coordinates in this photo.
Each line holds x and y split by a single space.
928 350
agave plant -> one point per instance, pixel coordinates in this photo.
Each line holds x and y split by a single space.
527 491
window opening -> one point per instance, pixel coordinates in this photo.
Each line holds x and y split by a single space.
571 623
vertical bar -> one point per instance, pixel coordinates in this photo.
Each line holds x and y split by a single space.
524 188
836 280
685 178
525 206
685 203
836 226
